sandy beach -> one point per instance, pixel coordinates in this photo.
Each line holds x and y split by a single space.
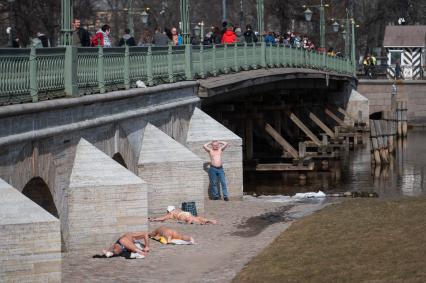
245 228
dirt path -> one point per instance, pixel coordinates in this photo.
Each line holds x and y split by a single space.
221 251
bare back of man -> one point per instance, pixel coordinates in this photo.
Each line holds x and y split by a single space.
179 215
170 235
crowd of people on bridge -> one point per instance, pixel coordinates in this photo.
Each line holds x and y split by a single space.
226 34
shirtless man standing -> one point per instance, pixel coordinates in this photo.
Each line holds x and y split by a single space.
179 215
215 149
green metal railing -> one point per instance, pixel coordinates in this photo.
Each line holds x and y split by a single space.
38 74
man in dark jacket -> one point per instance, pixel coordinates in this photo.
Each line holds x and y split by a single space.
81 37
127 39
249 35
160 38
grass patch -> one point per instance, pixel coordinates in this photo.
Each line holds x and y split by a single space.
360 240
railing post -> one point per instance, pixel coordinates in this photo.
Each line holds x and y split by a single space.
245 57
33 75
170 63
202 72
101 70
225 57
290 55
70 71
278 64
271 57
214 66
284 63
126 67
149 67
236 67
253 56
189 75
263 54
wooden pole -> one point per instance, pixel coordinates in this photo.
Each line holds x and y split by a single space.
334 117
323 126
305 129
404 118
380 141
399 118
281 141
374 143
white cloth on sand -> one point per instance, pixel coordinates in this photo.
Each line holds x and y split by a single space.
180 242
320 194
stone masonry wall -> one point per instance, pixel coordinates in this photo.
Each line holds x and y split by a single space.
203 129
30 246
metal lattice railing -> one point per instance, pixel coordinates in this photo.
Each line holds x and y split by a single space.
34 74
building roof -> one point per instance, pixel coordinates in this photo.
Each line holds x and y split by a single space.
405 36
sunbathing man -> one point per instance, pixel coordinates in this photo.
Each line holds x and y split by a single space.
130 243
169 236
179 215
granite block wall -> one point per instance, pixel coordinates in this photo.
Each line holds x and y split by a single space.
30 240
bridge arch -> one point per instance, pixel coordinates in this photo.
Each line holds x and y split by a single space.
376 115
119 158
38 191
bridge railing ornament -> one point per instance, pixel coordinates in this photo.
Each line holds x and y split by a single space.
38 74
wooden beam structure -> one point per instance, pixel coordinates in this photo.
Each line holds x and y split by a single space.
335 118
305 129
344 112
281 141
323 126
284 167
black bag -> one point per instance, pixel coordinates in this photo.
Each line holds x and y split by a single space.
190 207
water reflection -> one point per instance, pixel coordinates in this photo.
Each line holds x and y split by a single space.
354 172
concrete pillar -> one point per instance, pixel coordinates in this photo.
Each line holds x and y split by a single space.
30 239
105 200
357 102
202 129
174 174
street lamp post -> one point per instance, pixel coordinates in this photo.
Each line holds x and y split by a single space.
12 23
130 24
260 17
66 20
353 47
184 15
345 32
308 17
144 16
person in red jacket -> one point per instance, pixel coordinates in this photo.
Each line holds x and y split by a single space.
229 36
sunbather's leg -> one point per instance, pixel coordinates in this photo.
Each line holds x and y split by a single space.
178 236
203 220
129 245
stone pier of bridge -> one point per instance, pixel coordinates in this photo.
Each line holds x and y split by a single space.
82 171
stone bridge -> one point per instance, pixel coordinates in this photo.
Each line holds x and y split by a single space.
78 172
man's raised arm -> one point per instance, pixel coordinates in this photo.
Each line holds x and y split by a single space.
224 144
206 146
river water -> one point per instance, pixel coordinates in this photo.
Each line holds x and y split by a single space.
405 176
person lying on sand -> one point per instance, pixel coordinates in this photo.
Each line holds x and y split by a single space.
179 215
129 243
166 235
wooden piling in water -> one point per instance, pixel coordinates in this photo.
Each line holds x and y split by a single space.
399 118
374 143
404 118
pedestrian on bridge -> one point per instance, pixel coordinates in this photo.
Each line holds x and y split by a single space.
229 36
